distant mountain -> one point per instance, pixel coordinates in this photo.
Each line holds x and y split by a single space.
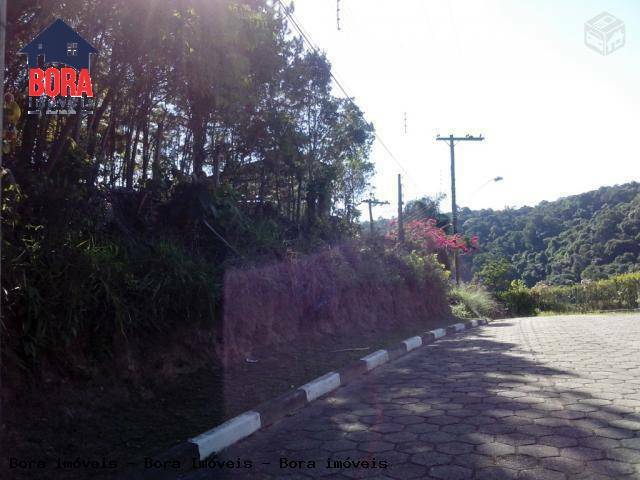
588 236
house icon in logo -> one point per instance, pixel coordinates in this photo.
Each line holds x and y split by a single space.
59 43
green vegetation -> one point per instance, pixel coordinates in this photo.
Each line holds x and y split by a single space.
118 226
590 236
583 238
620 292
496 275
473 301
518 299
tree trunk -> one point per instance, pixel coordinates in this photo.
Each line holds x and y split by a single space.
127 154
41 139
199 139
145 148
184 158
29 133
131 166
60 146
217 156
155 168
92 130
298 202
76 128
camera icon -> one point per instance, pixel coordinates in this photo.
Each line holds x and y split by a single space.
604 33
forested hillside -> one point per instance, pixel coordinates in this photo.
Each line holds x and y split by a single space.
588 236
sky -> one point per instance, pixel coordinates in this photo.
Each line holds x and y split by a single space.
558 118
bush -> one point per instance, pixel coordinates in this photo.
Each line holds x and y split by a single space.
519 300
496 274
616 293
86 272
426 267
473 301
78 297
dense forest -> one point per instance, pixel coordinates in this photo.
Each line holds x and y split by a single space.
214 89
589 236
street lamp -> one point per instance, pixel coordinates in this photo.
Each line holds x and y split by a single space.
491 180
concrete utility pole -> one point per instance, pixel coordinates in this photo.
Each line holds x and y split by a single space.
451 140
338 13
372 201
400 219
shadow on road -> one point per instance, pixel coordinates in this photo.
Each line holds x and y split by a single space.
502 324
468 407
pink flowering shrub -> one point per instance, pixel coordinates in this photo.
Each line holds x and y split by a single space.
426 237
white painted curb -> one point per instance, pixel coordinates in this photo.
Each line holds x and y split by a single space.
227 434
376 359
321 385
230 432
413 342
438 332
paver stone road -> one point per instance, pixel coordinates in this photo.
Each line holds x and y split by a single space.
532 398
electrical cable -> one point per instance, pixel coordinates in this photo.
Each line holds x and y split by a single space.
307 39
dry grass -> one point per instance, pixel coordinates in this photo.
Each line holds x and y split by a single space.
335 292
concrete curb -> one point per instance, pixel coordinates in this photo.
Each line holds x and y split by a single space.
217 439
228 433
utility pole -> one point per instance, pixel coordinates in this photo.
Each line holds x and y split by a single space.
405 123
451 141
338 14
372 201
400 219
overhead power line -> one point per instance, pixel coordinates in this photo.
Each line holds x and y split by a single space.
307 39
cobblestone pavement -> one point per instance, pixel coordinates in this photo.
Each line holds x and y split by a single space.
534 398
